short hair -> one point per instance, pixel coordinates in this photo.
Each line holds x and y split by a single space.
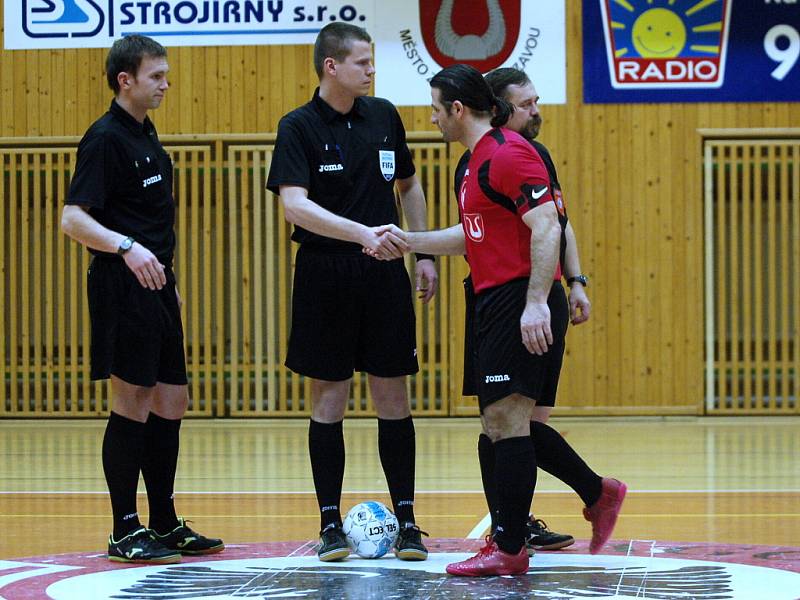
466 84
335 41
126 56
501 78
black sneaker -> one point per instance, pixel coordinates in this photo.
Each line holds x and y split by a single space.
140 547
186 541
539 537
408 545
332 543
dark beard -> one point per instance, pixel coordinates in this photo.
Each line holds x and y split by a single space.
532 128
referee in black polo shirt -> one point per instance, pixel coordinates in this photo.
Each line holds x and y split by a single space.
120 206
336 163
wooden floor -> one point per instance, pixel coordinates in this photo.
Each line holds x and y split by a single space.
691 479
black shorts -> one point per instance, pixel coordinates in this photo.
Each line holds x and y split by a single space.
136 332
500 364
351 313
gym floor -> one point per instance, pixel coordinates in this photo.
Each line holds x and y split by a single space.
713 490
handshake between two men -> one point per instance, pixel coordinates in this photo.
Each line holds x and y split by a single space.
389 242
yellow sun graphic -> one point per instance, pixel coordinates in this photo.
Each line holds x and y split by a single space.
659 33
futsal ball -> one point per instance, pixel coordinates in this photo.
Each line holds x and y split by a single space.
371 529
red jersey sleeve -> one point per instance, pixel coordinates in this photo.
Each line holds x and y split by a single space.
519 173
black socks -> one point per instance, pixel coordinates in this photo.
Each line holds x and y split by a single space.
123 445
486 460
556 456
397 449
396 446
553 454
159 463
515 473
326 449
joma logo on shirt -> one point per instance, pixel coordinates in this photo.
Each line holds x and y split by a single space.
151 180
496 378
335 167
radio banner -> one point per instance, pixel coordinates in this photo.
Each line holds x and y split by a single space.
691 50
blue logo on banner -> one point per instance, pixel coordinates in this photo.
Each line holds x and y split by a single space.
71 12
61 18
97 23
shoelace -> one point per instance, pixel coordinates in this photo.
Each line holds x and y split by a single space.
488 547
540 524
415 528
328 529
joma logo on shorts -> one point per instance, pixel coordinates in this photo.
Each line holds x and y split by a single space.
496 378
335 167
151 180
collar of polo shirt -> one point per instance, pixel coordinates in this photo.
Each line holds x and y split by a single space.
129 121
330 114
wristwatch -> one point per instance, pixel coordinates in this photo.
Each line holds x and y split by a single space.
582 279
125 245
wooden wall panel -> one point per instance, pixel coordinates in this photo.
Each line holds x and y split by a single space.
632 176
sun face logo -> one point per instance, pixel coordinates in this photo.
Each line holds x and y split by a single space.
659 33
666 43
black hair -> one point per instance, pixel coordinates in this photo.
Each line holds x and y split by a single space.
466 84
126 56
501 78
335 41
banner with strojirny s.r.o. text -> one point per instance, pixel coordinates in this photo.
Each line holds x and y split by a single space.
34 24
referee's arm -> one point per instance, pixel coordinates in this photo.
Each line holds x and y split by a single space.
78 224
387 241
412 199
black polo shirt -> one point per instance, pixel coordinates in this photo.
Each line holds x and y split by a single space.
347 162
124 176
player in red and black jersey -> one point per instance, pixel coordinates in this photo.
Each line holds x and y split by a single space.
552 452
511 234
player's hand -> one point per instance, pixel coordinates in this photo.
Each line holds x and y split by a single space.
178 297
145 266
385 242
427 279
535 326
579 305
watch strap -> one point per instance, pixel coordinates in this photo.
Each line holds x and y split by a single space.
582 279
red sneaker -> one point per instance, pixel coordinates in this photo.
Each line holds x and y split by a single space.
490 560
603 513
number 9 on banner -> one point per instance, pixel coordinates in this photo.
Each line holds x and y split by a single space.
787 57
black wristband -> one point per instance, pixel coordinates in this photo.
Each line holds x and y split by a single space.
582 279
420 256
